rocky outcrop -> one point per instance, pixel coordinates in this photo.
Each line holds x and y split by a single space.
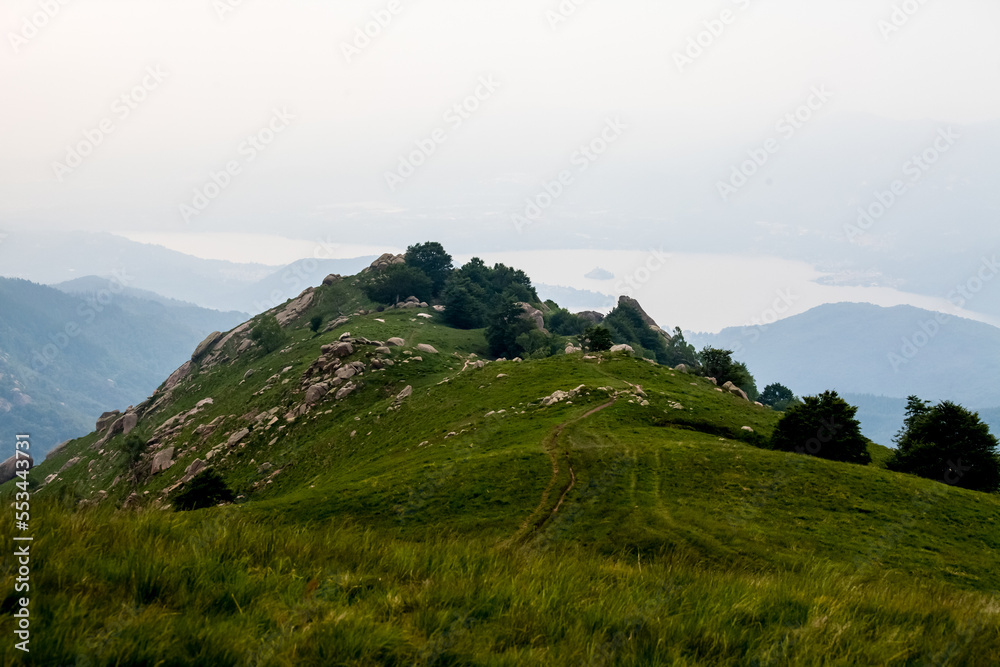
345 391
206 345
384 262
559 396
735 391
632 303
178 376
316 392
237 437
332 278
338 350
295 309
107 419
129 422
591 316
162 460
533 314
623 348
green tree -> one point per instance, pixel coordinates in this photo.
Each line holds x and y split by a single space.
628 327
947 443
268 333
596 339
462 308
315 323
679 351
777 396
207 489
432 259
719 364
564 323
822 426
398 282
504 325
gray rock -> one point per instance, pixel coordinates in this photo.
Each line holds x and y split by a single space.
533 314
206 345
316 392
406 393
345 391
332 278
129 422
69 464
429 349
235 438
178 376
298 306
395 342
339 350
623 348
162 460
107 419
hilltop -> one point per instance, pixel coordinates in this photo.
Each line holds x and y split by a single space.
404 497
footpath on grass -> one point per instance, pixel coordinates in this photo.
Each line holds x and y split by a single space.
563 481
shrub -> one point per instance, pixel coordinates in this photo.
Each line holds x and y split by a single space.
822 426
778 396
207 489
268 333
399 282
433 261
720 365
315 323
504 326
596 339
949 444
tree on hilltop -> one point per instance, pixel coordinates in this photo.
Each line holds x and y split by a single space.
823 426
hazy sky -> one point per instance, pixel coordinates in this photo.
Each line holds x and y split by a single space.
189 121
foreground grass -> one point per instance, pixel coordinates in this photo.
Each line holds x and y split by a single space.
216 587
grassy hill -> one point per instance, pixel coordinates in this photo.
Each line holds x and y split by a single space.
470 522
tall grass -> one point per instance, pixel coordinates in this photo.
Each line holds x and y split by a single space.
218 587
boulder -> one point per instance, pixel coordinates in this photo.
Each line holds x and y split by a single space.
345 391
383 350
69 464
107 419
346 372
196 467
426 316
682 368
623 348
339 350
429 349
298 306
406 393
439 309
163 460
591 316
178 376
735 391
384 262
337 323
572 349
206 345
316 392
412 299
533 314
395 342
249 374
332 278
235 438
129 422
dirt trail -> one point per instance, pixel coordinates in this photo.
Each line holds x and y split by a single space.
537 519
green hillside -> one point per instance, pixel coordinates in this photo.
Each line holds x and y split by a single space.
467 521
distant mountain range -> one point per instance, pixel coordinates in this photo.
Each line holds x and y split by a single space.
876 357
61 259
69 354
